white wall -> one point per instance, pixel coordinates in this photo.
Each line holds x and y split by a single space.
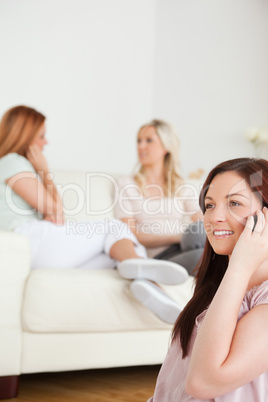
99 69
211 75
87 65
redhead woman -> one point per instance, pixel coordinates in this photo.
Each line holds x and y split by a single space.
36 211
219 345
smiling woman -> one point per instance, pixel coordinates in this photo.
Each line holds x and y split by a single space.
214 355
228 203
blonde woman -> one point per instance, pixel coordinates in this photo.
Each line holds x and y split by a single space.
36 211
158 205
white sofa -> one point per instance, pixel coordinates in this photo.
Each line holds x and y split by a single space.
72 319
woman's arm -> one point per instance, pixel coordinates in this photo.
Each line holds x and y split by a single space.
130 201
149 239
227 354
39 162
40 194
32 190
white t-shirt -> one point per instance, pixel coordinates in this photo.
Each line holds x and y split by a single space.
13 209
156 215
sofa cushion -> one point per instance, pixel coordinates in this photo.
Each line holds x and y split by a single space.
78 301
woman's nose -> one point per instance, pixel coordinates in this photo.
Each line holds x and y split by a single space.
141 145
218 214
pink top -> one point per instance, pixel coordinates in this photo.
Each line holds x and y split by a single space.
171 378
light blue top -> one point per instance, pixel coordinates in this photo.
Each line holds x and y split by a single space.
13 209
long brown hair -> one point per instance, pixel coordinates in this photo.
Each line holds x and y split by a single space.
212 266
18 127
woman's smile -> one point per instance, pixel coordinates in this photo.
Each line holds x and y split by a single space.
222 234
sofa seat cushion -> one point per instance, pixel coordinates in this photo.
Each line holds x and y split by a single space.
77 301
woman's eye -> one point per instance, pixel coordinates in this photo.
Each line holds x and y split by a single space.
149 140
208 206
234 204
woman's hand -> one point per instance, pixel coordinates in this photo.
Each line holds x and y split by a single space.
39 162
37 159
251 249
57 218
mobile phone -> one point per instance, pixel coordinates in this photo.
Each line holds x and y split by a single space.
255 221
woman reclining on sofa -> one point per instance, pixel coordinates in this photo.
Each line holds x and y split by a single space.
31 205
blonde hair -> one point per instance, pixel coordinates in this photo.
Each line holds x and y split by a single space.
18 127
170 141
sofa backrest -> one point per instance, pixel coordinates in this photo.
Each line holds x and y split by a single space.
91 196
86 196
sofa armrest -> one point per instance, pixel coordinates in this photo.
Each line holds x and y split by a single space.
14 270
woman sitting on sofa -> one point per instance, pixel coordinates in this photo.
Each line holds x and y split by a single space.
31 205
158 205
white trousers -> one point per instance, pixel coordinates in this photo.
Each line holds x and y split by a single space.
81 245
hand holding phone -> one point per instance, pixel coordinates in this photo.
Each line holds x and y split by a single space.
255 221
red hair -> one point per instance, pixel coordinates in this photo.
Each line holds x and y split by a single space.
18 127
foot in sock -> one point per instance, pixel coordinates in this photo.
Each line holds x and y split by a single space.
159 271
156 300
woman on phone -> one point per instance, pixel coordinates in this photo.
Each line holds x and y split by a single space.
219 344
